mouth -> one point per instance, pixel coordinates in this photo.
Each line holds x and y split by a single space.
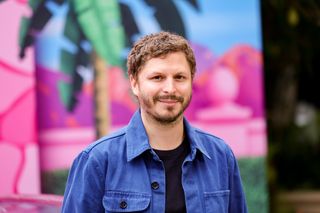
169 102
169 99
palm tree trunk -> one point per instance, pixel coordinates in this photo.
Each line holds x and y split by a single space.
101 96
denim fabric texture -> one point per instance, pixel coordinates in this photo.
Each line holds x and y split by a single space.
116 173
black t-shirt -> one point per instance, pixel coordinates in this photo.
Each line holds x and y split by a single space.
172 160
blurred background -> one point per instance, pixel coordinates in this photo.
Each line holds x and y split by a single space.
63 84
291 68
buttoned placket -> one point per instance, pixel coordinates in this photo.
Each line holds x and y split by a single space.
157 182
190 188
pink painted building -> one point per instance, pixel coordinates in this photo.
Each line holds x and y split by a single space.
19 149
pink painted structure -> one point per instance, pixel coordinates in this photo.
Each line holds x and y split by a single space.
231 121
28 125
62 134
19 150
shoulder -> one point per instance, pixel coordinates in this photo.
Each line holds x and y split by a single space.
95 157
213 144
107 143
217 149
210 138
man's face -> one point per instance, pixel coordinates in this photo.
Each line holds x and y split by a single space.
164 87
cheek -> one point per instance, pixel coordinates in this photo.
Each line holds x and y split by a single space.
149 89
185 89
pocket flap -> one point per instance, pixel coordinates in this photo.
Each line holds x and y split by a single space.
217 201
220 193
117 201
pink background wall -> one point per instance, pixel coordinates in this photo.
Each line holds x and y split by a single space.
19 151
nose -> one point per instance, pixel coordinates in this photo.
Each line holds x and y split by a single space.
169 86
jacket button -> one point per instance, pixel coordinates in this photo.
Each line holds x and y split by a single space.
123 204
155 185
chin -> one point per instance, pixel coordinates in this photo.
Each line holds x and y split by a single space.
168 117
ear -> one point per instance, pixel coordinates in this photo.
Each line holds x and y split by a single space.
134 85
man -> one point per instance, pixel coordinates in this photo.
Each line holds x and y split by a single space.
158 162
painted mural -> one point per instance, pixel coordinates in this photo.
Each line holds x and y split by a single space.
66 40
19 148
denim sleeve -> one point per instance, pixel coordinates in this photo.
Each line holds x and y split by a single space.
237 201
85 186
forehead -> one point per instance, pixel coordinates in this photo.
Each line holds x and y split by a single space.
175 61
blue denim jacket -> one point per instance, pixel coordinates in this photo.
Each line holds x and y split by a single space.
115 174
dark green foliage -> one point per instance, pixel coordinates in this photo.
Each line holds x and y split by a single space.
34 24
54 182
67 62
298 160
253 173
291 56
291 66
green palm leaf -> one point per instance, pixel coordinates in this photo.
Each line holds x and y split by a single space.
101 24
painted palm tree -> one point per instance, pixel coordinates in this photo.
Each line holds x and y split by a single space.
100 22
97 22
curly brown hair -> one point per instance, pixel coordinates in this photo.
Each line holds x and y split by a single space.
158 45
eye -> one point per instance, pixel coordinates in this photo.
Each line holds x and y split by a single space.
156 78
180 77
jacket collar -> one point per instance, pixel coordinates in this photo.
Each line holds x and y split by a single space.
138 142
196 144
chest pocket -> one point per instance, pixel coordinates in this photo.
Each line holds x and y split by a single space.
217 201
118 201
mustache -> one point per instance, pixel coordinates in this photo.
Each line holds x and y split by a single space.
168 97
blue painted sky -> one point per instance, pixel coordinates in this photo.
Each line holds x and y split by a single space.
222 24
51 40
219 25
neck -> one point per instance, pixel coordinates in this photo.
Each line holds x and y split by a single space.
163 136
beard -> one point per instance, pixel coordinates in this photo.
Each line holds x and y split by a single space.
171 115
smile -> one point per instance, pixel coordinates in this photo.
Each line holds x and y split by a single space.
170 99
